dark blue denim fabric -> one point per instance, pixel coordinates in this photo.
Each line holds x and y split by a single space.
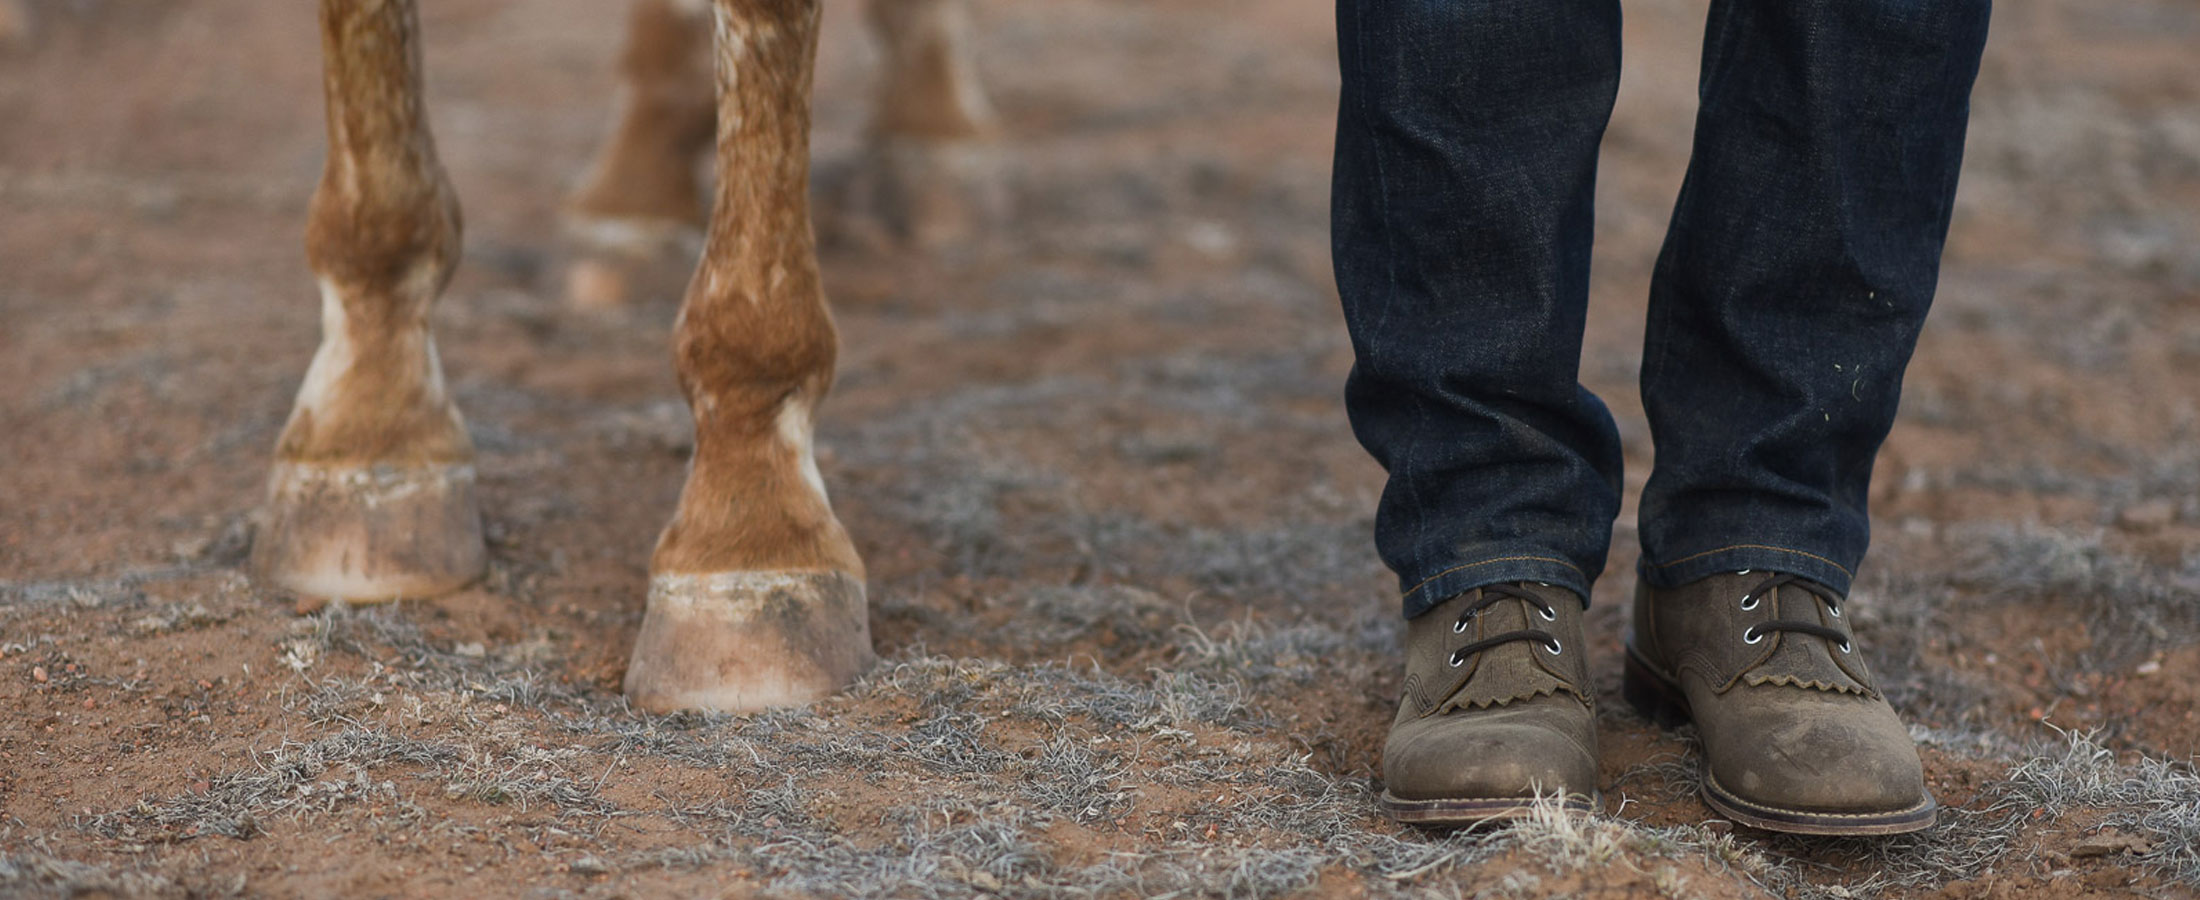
1799 266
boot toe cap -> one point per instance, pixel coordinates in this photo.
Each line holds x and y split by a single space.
1842 764
1466 760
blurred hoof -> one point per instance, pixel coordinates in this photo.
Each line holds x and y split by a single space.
364 534
619 262
929 193
749 641
638 238
596 284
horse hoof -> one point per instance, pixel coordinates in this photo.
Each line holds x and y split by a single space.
369 533
749 641
618 263
932 194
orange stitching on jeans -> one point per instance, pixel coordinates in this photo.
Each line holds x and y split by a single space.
1424 582
1844 569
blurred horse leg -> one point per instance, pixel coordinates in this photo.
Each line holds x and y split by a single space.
932 176
372 495
17 25
756 594
642 200
929 88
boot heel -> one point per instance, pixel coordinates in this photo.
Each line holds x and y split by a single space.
1651 696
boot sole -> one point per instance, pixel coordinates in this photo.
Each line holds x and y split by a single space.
1464 813
1660 700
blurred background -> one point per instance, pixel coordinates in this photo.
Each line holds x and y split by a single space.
1137 640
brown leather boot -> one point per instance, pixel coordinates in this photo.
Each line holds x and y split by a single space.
1496 710
1796 736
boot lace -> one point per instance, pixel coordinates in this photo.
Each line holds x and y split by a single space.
1491 596
1776 581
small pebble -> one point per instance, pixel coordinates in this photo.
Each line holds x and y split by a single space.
38 674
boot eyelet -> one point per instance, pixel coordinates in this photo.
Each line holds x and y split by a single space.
1745 571
1554 646
1457 660
1751 602
1548 614
1846 646
1751 635
1459 627
1835 609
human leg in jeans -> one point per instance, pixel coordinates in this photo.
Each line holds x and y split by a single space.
1798 269
1800 264
1465 184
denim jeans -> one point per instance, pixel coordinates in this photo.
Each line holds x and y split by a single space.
1796 272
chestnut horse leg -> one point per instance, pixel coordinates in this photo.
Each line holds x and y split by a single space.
756 594
372 495
17 26
933 173
641 202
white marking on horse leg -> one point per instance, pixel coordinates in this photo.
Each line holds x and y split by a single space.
330 360
794 431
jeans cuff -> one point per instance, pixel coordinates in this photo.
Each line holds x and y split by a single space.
1737 557
1430 592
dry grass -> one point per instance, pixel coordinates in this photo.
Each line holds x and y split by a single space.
2158 800
965 791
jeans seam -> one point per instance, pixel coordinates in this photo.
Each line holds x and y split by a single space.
1803 553
1492 561
1366 122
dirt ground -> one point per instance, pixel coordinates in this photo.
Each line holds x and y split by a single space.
1136 641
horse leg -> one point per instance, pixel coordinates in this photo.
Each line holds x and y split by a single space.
756 594
372 495
932 176
17 26
642 201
